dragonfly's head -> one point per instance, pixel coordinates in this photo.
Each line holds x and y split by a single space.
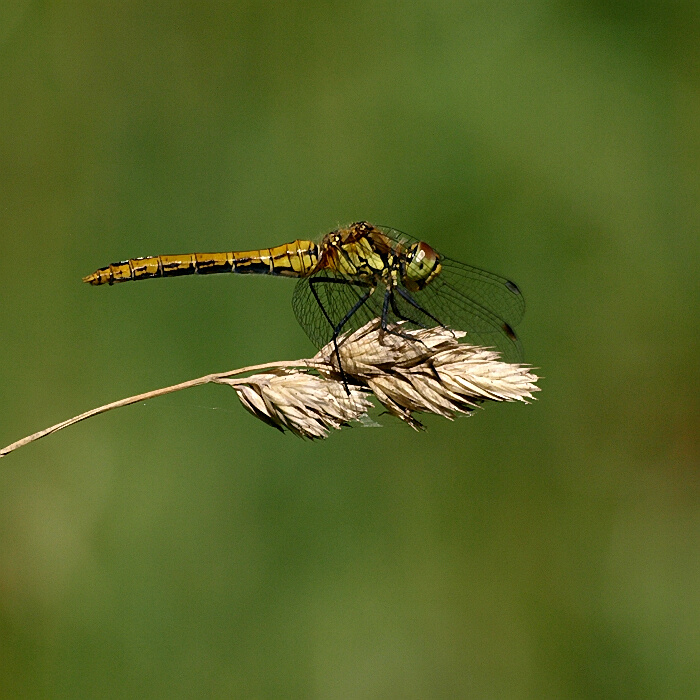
422 266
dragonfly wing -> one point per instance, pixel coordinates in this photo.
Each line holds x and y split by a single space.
484 305
337 294
492 292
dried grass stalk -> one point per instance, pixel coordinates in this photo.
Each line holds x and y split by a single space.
408 371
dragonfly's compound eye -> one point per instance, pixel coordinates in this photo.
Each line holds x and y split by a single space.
422 268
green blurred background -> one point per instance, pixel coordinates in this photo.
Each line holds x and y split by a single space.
181 548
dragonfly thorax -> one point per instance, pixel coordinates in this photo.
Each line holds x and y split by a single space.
359 252
363 252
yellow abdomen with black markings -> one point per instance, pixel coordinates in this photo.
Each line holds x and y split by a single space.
296 259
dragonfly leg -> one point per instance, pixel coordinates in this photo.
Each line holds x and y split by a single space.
416 305
401 316
337 328
389 300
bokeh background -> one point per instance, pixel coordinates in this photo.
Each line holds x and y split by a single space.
180 548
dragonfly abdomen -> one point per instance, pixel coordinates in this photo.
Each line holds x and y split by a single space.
296 259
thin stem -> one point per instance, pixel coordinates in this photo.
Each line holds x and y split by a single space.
215 378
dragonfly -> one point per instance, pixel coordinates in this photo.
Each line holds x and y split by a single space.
358 273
